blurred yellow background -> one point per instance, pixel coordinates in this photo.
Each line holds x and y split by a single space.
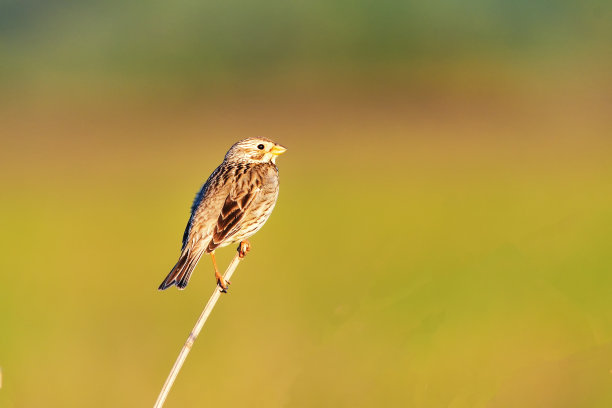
442 235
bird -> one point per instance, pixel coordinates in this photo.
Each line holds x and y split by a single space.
232 205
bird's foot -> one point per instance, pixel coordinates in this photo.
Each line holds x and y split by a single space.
222 283
244 248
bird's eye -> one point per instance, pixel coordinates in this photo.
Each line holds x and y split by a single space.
260 147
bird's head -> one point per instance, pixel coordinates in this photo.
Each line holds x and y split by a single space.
255 150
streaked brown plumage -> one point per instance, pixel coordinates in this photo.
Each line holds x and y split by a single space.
233 204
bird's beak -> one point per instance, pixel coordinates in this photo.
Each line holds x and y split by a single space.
278 150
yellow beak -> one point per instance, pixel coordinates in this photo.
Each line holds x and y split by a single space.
278 150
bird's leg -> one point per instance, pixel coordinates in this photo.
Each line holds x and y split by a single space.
244 248
220 281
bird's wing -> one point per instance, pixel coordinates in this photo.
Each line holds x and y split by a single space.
206 201
236 205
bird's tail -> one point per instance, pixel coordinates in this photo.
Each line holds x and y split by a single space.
180 274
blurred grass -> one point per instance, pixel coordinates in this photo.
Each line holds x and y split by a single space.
441 237
450 252
209 47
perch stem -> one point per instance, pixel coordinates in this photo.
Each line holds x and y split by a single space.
193 335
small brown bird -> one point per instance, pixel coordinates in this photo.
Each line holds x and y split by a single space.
233 204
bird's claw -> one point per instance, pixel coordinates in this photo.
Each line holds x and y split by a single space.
244 248
223 285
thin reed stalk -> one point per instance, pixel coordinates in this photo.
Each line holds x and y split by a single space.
194 335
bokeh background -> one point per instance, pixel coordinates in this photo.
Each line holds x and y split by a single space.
442 237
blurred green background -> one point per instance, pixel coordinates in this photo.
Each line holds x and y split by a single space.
442 236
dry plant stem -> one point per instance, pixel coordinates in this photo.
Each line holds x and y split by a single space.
193 335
